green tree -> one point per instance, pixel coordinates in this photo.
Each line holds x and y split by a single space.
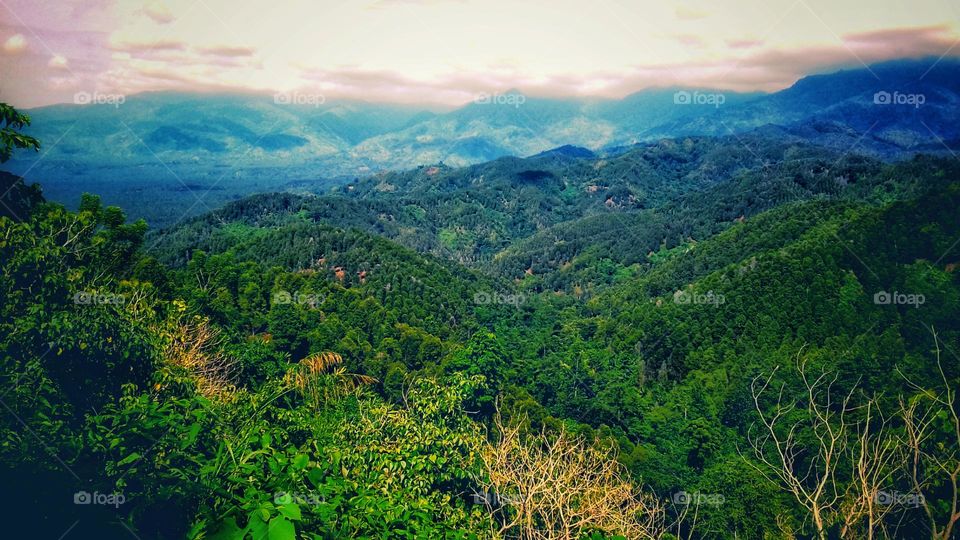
11 136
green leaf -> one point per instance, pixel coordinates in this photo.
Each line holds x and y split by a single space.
191 435
229 530
263 514
129 459
291 511
315 476
258 528
301 461
282 529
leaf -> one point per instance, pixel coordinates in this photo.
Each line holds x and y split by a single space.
291 511
258 528
282 529
129 459
301 461
315 476
263 514
229 530
191 435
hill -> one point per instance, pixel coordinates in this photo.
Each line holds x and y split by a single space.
199 151
471 214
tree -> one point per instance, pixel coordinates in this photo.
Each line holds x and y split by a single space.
557 485
782 456
11 125
834 465
482 355
874 459
932 425
322 377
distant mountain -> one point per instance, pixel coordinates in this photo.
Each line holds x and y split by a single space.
512 124
558 223
208 149
476 215
567 150
251 126
165 155
887 110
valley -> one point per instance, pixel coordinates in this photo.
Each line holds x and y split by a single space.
624 319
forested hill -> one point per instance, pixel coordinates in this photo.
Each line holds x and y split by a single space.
666 360
559 222
164 155
592 251
410 356
682 340
470 214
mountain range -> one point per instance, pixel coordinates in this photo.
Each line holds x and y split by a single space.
682 285
208 149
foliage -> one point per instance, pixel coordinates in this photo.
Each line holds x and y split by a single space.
11 136
286 375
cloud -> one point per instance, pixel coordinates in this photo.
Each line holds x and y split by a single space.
924 33
232 52
58 62
899 42
690 40
758 70
442 51
149 46
15 44
159 12
744 43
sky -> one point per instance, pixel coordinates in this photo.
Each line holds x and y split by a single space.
449 51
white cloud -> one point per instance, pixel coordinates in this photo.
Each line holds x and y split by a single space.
449 50
159 12
15 44
58 62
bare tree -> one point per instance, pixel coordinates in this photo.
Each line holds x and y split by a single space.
197 346
932 427
559 486
811 480
875 457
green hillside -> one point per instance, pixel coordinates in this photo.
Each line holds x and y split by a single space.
719 341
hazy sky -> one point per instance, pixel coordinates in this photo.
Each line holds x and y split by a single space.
448 51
